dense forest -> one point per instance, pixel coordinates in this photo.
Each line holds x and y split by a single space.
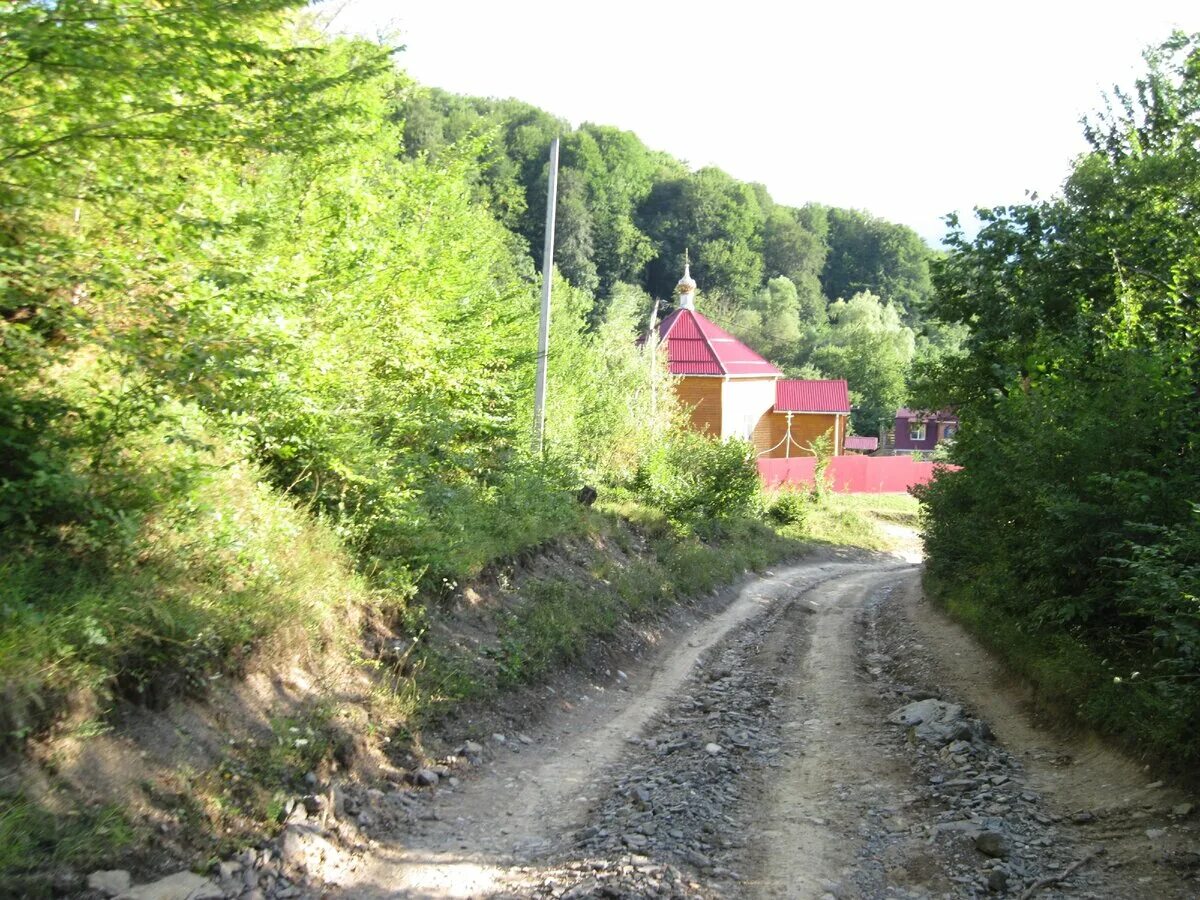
821 291
257 366
1071 538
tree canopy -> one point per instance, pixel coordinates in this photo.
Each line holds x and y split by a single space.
1079 394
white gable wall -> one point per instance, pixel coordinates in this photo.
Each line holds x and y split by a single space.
743 402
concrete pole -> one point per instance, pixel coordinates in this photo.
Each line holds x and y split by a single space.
652 343
539 398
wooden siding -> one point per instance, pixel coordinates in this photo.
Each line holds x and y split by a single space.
703 397
806 427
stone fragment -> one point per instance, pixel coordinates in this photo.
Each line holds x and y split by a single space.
302 847
180 886
995 844
228 869
110 882
933 721
714 749
426 777
471 750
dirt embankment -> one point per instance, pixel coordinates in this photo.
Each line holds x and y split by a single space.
817 732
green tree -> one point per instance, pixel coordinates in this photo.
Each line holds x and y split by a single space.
869 254
619 172
1080 403
869 346
718 220
790 249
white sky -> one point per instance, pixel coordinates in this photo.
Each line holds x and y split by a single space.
906 109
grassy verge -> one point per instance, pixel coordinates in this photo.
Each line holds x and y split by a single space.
559 618
206 578
848 520
900 509
1083 683
34 837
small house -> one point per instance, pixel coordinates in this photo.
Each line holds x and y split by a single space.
920 432
731 391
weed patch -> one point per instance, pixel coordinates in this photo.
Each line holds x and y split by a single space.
34 838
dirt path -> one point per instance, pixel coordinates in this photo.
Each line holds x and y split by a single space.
1108 800
534 792
752 756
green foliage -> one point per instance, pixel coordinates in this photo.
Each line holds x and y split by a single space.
822 450
870 255
247 349
31 834
718 219
611 398
626 214
698 481
790 507
869 346
204 564
1073 514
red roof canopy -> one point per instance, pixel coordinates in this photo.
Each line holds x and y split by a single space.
857 442
812 396
695 346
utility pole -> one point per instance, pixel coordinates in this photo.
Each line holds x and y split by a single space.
539 398
652 342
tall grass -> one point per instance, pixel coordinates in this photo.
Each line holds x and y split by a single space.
204 573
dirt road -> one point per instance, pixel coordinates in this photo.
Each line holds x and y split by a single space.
751 755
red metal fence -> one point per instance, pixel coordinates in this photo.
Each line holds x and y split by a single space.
852 474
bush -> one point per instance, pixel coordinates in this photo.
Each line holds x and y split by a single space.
790 507
697 481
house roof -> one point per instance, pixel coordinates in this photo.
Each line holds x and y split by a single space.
695 346
944 415
857 442
812 396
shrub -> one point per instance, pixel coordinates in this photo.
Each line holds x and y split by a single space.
790 507
697 481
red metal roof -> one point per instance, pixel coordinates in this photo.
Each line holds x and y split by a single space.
695 346
857 442
812 396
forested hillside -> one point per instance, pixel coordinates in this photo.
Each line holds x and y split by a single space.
821 291
267 316
1071 538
